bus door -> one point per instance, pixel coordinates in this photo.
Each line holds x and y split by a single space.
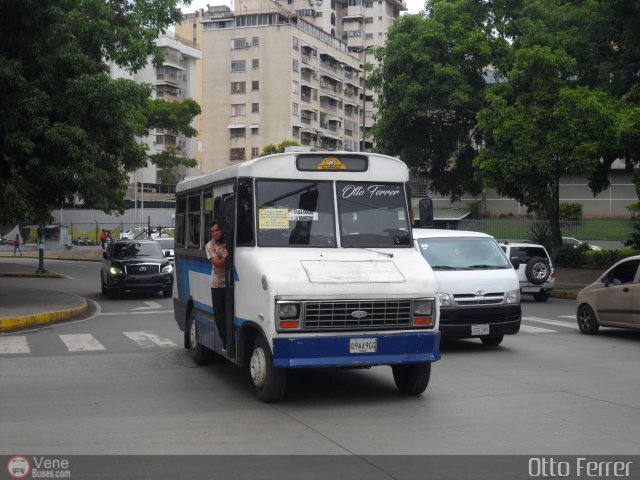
228 215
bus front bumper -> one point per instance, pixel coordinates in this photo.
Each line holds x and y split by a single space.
336 350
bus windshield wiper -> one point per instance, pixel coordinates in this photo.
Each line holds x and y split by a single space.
483 266
390 255
443 267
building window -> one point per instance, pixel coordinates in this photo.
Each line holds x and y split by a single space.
295 109
255 131
255 63
296 68
368 20
238 87
367 4
237 66
238 109
318 14
255 41
255 85
294 87
255 152
369 35
236 154
295 43
238 43
255 108
354 3
237 133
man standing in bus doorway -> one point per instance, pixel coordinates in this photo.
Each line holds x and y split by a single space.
217 253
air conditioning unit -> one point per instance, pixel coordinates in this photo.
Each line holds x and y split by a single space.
247 44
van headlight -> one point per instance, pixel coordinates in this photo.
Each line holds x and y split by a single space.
512 296
446 300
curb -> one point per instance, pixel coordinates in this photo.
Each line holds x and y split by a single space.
32 275
16 323
570 294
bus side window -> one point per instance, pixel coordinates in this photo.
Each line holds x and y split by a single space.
217 208
227 211
194 222
208 214
244 213
181 211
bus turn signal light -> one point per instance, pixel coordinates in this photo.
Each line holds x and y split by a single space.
423 321
289 324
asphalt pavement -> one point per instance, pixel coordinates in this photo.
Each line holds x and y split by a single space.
23 308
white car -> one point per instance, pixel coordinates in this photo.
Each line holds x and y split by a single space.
167 245
535 270
575 242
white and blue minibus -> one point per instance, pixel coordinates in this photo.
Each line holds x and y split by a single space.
321 269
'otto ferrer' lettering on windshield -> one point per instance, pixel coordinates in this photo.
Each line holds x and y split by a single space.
370 192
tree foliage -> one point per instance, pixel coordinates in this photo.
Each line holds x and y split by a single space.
547 88
273 148
67 129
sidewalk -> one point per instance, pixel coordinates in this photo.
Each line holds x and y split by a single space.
27 307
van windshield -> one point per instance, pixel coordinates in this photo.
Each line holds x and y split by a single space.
373 214
449 253
295 213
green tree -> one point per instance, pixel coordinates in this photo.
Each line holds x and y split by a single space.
67 129
273 148
430 84
175 117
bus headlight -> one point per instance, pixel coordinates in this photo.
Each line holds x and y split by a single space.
288 315
512 296
423 313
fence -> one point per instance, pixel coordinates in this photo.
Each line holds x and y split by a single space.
587 230
92 231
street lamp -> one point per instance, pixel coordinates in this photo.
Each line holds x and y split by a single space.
364 92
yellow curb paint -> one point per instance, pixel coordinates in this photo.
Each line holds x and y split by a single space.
564 294
14 323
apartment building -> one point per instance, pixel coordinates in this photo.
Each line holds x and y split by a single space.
174 80
291 70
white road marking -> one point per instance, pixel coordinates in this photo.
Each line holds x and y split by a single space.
149 339
150 305
557 323
14 345
83 342
149 312
530 329
572 317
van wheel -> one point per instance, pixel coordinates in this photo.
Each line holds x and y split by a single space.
492 340
412 379
587 321
201 355
537 270
270 382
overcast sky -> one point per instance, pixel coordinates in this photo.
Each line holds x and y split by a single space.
414 6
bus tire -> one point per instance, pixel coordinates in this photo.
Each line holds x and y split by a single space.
412 379
201 355
270 382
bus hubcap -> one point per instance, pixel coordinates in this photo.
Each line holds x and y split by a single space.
258 367
192 333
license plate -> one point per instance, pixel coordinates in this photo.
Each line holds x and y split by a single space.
479 329
363 345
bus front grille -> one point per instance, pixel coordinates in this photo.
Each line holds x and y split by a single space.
357 314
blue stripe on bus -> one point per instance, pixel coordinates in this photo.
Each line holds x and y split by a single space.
333 351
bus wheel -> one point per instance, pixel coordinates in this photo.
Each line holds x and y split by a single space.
201 355
270 382
412 379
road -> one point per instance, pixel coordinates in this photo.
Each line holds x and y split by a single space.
119 382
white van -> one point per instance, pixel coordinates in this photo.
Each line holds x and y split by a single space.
478 288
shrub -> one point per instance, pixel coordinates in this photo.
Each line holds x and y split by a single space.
541 233
570 256
605 257
571 212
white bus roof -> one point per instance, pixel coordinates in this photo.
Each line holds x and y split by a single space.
283 166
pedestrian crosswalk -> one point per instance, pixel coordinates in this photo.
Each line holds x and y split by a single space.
86 342
83 342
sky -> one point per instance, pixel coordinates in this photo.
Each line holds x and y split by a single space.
413 6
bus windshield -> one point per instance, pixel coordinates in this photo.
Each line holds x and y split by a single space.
372 214
295 213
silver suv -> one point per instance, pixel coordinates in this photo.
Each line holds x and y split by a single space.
533 267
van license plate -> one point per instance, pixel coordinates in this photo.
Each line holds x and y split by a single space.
479 329
363 345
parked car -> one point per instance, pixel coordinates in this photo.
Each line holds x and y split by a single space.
575 242
166 244
613 300
135 265
83 242
3 241
534 268
478 288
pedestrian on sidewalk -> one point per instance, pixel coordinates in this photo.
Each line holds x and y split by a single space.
16 245
103 238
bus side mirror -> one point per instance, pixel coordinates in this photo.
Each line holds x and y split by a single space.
515 261
426 213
